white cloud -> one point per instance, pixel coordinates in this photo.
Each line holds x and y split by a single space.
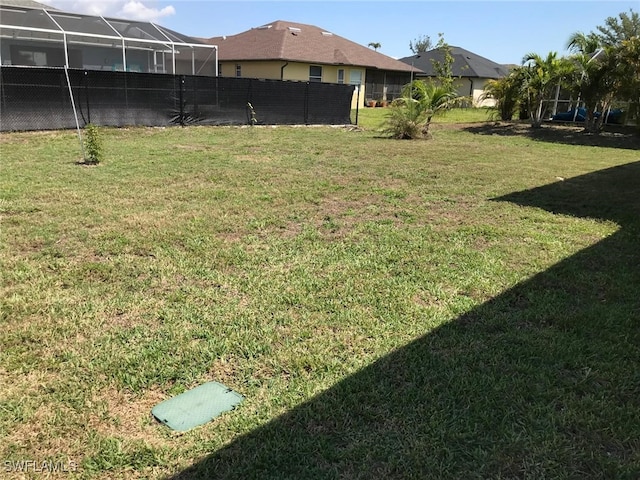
126 9
137 11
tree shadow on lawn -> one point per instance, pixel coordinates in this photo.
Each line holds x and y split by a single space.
540 382
613 136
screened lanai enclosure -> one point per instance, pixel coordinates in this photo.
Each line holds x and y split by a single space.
63 70
51 38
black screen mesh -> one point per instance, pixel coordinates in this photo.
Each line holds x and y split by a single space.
38 99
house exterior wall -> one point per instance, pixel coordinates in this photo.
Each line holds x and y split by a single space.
464 87
187 67
52 52
472 88
250 69
294 71
478 90
300 72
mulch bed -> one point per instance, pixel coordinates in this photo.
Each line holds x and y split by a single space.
612 136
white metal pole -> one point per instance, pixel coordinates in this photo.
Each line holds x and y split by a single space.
64 39
66 50
575 111
555 101
124 56
75 113
173 57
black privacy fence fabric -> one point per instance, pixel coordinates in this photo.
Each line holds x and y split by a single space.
39 99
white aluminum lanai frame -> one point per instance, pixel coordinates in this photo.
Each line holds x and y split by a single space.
44 25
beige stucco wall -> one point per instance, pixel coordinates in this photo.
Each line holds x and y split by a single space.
474 88
478 90
251 69
295 71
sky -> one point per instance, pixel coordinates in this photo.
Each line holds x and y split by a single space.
501 30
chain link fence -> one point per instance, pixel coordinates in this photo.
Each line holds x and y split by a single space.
39 99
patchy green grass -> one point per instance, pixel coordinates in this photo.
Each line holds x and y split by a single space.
387 308
373 118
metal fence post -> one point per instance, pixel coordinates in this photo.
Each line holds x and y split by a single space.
306 104
181 98
86 95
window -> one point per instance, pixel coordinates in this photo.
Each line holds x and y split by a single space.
238 70
315 73
355 77
341 75
30 57
37 56
26 56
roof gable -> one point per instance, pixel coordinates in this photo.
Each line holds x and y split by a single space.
465 64
289 41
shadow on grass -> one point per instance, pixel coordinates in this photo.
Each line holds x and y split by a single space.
613 136
543 381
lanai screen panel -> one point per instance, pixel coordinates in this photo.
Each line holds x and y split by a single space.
26 25
41 37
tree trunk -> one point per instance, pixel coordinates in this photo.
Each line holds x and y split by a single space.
536 117
425 128
593 124
606 104
590 121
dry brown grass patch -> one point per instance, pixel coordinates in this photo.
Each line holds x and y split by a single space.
121 414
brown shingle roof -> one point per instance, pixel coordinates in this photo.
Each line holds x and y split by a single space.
298 42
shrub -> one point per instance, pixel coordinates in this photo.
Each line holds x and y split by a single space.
507 93
406 119
93 150
410 115
252 115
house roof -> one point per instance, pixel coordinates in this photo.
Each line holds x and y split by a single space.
289 41
465 64
26 4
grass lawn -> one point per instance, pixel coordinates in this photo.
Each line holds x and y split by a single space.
372 118
462 307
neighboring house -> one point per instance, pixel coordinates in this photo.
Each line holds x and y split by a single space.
471 71
33 34
293 51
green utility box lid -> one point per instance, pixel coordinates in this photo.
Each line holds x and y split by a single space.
196 406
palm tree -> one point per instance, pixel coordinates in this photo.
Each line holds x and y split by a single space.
541 75
598 76
410 115
506 92
585 44
375 45
628 58
607 64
